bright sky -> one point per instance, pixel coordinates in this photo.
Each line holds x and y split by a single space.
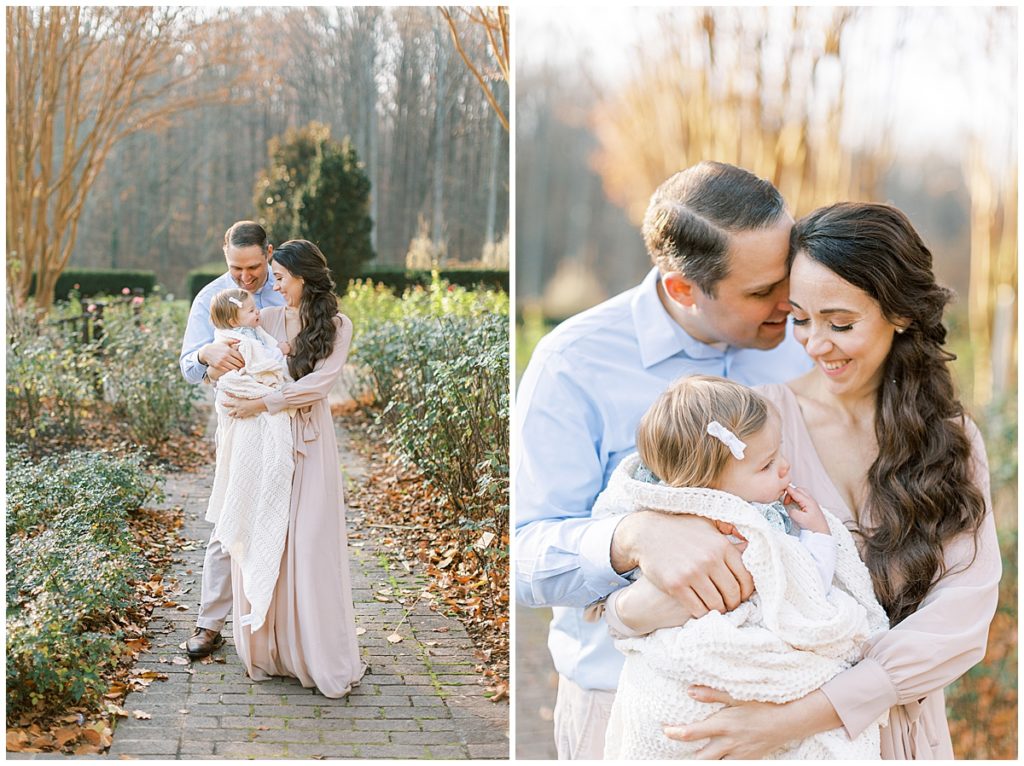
945 82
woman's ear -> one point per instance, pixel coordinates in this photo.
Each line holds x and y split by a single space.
678 288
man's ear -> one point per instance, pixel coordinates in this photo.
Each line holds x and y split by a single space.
270 252
679 288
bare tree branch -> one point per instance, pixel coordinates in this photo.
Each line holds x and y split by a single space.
491 20
79 80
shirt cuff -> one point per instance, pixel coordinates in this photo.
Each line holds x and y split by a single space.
275 402
611 616
861 695
596 556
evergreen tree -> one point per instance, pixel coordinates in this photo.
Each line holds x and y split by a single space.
315 189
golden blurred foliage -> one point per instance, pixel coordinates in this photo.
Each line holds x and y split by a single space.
992 303
736 86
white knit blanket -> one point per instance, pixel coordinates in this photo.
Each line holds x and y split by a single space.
785 642
251 492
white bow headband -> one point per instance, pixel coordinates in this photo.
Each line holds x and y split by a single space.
728 438
235 301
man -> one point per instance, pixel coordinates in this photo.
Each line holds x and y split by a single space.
248 256
714 303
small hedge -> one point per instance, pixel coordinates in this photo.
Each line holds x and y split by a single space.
71 567
400 279
89 282
200 277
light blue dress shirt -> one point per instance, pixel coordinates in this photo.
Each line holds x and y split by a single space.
580 400
199 330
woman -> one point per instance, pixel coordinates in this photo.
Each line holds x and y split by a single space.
309 632
876 434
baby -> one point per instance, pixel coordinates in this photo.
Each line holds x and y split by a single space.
712 447
234 316
681 450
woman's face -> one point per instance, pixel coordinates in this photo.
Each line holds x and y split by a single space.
840 326
288 285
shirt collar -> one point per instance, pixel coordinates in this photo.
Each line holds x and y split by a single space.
658 334
268 286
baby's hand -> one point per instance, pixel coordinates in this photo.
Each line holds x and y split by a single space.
285 347
807 513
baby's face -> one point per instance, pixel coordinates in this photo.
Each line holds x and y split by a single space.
762 475
248 315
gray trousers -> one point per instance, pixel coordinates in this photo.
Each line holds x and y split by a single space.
215 599
581 719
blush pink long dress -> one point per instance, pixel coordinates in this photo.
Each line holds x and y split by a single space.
905 670
310 631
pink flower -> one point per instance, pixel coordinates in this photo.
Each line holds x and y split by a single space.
77 286
125 291
137 300
91 308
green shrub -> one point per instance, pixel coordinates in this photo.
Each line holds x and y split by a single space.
71 564
51 379
81 487
142 377
443 385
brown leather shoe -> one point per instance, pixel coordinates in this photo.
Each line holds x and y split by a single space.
203 642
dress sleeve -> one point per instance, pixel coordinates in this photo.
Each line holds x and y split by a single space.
315 385
943 639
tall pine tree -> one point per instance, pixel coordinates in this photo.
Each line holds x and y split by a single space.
315 189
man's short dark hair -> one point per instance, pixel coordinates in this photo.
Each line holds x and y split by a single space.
246 234
690 216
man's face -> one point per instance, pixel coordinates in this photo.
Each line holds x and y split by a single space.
750 306
247 265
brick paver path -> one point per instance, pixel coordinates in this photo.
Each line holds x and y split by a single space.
420 698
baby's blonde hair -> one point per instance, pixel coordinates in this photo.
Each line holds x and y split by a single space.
223 312
672 437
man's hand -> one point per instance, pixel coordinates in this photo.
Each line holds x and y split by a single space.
223 357
685 556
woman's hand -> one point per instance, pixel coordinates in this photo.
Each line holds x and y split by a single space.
644 607
752 730
237 407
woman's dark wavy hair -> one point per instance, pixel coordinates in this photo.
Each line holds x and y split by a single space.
920 492
318 306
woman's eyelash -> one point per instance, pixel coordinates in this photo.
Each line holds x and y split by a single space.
835 328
